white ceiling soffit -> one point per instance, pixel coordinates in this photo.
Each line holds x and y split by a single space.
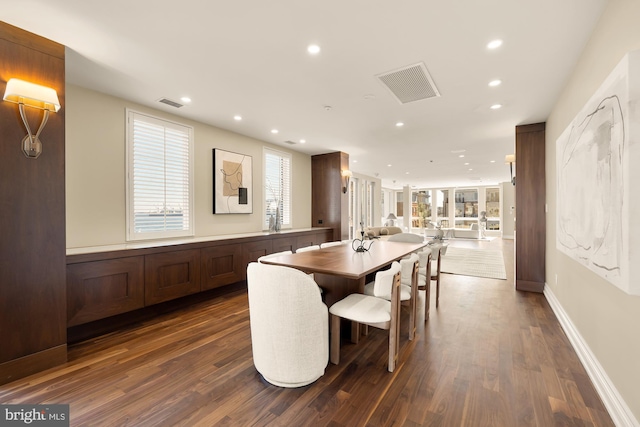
410 83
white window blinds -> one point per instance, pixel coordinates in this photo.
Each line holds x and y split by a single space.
160 184
277 189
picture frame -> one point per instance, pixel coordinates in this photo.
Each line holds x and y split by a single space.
232 182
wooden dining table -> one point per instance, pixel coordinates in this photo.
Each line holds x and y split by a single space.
340 270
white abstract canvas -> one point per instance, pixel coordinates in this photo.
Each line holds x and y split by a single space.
597 168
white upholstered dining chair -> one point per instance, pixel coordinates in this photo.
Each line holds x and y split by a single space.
289 325
409 268
373 311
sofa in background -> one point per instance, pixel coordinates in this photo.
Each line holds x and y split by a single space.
381 231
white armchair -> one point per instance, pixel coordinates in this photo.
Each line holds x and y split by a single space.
289 325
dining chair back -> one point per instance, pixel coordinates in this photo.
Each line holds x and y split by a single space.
289 325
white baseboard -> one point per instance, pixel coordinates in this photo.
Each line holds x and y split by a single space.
617 407
507 236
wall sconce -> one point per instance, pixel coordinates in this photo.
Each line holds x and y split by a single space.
510 159
35 96
346 176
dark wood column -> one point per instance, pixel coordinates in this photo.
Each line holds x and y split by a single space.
329 205
32 215
530 207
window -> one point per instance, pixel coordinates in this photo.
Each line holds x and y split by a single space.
159 178
277 187
466 207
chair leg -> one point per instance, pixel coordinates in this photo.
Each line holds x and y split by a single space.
427 298
437 291
335 340
412 318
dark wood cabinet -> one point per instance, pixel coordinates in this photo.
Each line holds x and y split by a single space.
171 275
109 283
221 265
254 250
530 224
100 289
283 244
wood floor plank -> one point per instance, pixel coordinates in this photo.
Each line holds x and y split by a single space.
488 356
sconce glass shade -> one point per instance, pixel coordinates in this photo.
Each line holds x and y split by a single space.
346 175
35 96
32 95
510 159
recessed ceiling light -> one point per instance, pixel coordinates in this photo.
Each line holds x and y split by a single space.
237 118
494 44
274 130
461 155
494 83
466 164
470 169
302 141
313 49
399 124
406 173
185 99
496 106
492 161
355 161
389 165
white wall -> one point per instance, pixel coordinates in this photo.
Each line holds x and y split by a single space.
607 319
508 210
95 172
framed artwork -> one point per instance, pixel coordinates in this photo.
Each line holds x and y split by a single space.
232 183
595 166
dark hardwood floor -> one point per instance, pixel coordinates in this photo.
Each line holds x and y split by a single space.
488 356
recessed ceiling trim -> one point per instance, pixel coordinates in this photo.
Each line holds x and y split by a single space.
409 84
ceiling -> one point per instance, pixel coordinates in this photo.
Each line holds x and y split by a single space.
250 58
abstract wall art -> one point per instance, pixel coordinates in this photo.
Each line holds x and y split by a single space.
232 183
597 164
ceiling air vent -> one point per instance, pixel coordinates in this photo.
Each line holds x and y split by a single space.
170 102
409 84
290 142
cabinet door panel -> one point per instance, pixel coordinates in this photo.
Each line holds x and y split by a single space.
283 244
221 265
171 275
254 250
100 289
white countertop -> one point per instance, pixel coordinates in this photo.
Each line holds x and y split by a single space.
144 244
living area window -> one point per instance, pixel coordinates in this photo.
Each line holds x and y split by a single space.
277 187
159 178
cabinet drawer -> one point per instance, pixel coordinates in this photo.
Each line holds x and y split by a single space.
171 275
99 289
221 265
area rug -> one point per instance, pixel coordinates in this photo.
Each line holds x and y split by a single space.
474 262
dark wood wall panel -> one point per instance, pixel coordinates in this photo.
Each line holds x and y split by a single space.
530 207
32 224
329 205
254 250
171 275
221 265
100 289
